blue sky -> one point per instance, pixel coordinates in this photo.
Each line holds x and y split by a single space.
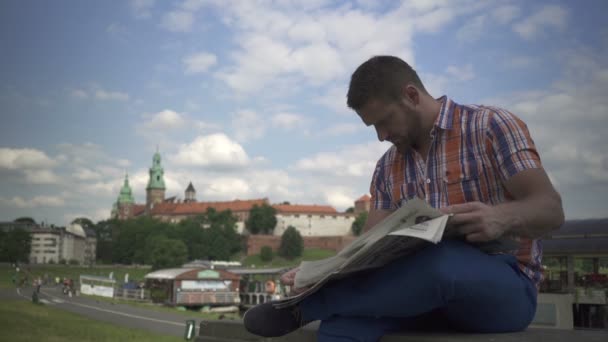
246 99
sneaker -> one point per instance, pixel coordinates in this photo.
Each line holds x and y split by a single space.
267 321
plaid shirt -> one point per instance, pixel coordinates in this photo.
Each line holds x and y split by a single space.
474 150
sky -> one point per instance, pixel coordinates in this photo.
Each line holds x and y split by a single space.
247 99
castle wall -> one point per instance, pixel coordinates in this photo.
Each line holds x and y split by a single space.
335 243
315 224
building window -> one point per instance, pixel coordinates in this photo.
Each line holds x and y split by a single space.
296 215
322 216
335 217
309 216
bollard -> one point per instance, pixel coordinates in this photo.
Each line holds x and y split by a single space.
190 329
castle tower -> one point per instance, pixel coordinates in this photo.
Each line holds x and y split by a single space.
155 191
125 202
190 194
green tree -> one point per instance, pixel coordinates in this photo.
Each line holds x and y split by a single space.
166 253
266 254
103 233
84 222
262 219
129 238
211 236
25 220
17 245
292 244
359 223
350 210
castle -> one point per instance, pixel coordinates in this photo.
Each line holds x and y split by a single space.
309 220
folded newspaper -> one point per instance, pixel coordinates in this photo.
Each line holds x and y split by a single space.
401 233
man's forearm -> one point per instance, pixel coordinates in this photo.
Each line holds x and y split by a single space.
533 217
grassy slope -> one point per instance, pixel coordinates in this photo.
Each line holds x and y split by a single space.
74 272
25 321
277 261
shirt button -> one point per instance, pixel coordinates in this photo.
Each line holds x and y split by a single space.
428 181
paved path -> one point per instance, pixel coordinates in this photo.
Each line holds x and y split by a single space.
119 314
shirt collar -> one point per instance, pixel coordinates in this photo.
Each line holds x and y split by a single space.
446 113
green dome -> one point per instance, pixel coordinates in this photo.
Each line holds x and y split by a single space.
156 181
126 195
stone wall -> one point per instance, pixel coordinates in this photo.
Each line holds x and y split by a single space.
315 224
335 243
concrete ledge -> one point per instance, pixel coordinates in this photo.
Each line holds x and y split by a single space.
234 331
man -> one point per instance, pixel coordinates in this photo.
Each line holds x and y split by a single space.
476 162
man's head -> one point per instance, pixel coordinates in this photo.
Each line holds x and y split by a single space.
381 78
388 94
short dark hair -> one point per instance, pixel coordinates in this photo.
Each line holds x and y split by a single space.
380 77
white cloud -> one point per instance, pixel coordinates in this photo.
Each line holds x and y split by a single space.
354 161
554 17
85 174
166 119
213 151
178 21
520 62
41 177
101 94
464 73
472 30
35 202
24 158
335 99
505 14
79 94
247 125
288 121
142 8
343 129
199 63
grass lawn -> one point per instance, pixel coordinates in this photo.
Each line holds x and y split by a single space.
308 255
25 321
74 272
162 308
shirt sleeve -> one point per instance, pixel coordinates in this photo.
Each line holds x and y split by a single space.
510 144
381 198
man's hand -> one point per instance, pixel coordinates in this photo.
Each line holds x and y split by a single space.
477 221
289 278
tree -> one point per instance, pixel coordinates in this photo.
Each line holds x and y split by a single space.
25 220
292 244
350 210
359 223
17 245
83 221
262 219
166 253
266 254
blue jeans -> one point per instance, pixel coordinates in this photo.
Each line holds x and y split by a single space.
451 285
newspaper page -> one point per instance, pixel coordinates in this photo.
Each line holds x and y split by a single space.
401 233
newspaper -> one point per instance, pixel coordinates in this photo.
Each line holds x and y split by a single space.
401 233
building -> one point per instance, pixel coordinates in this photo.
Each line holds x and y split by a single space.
309 220
312 220
54 244
362 204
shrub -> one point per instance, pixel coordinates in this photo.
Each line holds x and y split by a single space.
292 244
266 254
74 262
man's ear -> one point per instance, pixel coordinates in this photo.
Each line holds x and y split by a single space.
411 95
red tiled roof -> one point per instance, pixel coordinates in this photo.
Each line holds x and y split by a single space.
138 209
364 198
305 209
201 207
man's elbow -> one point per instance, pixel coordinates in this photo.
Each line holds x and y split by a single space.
557 210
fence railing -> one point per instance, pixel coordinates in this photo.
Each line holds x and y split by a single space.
137 294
